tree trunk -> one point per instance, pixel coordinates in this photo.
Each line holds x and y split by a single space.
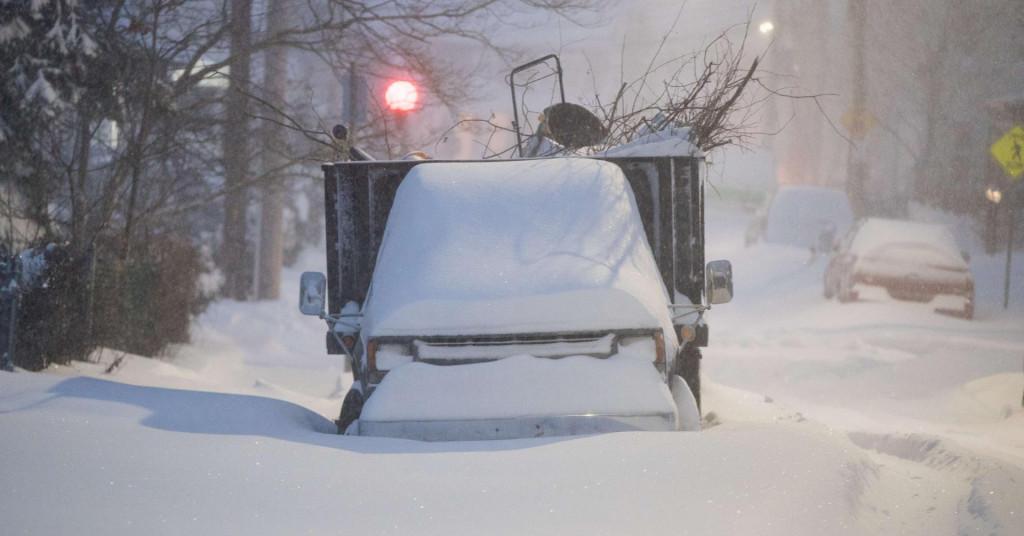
235 259
77 183
275 75
856 178
928 174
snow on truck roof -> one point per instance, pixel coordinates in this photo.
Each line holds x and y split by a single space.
514 247
666 142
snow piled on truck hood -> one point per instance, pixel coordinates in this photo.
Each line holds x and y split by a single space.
513 247
522 386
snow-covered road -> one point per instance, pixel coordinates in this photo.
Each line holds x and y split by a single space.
863 418
882 366
933 401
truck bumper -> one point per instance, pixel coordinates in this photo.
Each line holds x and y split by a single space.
516 428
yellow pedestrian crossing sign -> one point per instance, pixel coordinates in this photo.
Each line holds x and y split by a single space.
1008 152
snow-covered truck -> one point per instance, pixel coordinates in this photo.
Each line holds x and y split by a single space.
517 298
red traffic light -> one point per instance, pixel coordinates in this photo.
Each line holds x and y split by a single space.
401 96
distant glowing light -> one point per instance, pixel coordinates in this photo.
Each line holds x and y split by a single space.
766 27
993 195
401 96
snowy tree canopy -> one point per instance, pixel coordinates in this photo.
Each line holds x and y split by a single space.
43 50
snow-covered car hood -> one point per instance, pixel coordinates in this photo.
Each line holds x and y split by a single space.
514 247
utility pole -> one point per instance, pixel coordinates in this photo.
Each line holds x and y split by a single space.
1011 205
857 171
353 107
234 252
275 81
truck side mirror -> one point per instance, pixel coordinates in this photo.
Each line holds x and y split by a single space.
718 282
312 288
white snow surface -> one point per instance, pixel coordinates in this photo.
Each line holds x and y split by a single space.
93 456
514 247
522 386
873 417
668 142
925 243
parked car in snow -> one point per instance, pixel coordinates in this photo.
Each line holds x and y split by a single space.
802 216
908 260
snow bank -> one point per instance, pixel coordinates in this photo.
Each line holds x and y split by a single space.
263 348
83 456
522 386
514 247
95 457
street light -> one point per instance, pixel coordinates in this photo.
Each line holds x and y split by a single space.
993 195
766 27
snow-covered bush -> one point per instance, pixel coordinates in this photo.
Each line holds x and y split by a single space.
71 304
43 52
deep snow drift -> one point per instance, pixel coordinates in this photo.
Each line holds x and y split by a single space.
624 384
863 418
94 456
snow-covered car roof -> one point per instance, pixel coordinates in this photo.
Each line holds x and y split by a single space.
514 247
880 237
798 215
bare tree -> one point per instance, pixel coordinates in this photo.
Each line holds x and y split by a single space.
271 239
133 140
924 126
704 91
712 97
236 153
857 175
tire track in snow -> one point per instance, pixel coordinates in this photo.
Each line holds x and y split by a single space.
986 493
